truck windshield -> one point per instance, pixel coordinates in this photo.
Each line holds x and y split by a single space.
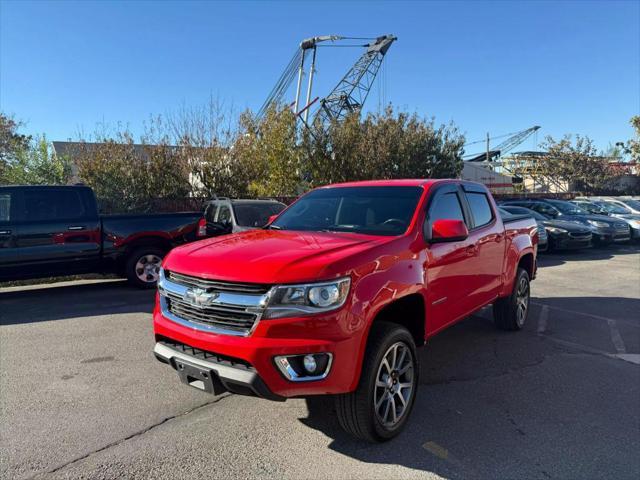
367 210
255 214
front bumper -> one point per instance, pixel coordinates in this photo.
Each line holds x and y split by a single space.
227 375
568 242
339 333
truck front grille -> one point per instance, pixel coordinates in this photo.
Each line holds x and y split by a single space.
215 285
232 319
580 235
211 305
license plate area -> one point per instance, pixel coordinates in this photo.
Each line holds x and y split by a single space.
198 377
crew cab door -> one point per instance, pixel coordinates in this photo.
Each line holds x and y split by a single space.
8 246
59 231
448 276
486 232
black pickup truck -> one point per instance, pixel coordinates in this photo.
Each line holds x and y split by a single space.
56 230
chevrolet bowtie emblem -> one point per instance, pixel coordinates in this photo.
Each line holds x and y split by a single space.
199 297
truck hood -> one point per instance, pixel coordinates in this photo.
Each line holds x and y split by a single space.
269 256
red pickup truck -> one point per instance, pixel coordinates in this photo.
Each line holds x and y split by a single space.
336 293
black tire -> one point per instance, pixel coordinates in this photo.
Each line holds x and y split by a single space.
132 266
507 311
356 410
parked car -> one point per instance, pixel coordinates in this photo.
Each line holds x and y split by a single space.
631 204
623 213
223 216
562 234
604 230
56 230
591 207
334 295
543 237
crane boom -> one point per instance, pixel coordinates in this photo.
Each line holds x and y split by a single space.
351 92
504 147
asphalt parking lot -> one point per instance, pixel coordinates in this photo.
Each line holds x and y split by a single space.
82 396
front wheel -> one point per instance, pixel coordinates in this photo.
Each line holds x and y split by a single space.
379 408
510 313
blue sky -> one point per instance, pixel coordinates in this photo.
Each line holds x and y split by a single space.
571 67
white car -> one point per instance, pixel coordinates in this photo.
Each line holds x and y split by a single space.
629 203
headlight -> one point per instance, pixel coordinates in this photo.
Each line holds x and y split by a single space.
635 223
556 230
598 224
307 299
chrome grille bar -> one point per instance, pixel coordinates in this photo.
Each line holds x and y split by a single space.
189 281
222 311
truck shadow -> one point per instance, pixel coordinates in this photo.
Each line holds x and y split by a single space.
62 302
509 405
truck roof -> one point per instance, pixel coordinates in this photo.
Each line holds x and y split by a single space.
404 182
44 186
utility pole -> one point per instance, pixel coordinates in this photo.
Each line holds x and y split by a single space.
487 147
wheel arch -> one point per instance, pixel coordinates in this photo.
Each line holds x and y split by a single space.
408 311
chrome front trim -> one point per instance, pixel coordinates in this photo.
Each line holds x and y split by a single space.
291 375
224 371
223 301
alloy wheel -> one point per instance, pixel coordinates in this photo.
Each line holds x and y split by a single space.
522 301
394 384
148 268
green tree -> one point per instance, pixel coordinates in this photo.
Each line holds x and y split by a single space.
632 147
26 160
386 145
11 141
272 152
34 163
576 162
128 177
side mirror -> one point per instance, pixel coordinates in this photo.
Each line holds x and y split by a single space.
448 231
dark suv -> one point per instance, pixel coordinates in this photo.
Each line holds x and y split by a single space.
224 215
605 230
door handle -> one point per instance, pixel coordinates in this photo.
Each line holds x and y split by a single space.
76 227
471 250
5 232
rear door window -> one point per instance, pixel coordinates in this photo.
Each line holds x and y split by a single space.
224 214
480 209
5 207
210 212
52 205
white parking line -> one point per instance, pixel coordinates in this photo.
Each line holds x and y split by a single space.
542 319
584 314
616 339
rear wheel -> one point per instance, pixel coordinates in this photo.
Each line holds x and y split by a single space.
143 266
379 408
510 313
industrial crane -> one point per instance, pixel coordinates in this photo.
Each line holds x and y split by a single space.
510 143
349 94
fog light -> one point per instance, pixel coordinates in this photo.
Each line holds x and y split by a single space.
310 363
304 367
